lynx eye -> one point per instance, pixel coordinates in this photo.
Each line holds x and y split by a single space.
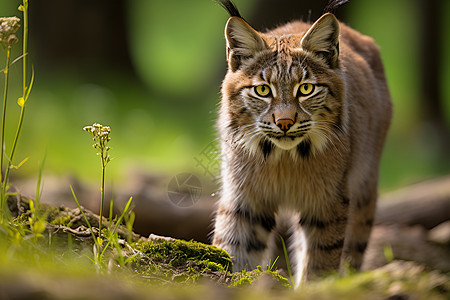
306 89
262 90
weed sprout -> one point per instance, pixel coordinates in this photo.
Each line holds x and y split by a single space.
101 137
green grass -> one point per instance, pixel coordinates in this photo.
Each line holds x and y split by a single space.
160 268
178 270
40 269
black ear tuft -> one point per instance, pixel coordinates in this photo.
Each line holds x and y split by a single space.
230 7
333 5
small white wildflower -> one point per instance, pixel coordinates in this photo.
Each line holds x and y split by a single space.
8 26
100 137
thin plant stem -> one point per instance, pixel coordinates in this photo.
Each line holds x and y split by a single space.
103 196
286 256
97 259
5 97
26 92
100 136
39 183
119 221
13 149
111 208
25 47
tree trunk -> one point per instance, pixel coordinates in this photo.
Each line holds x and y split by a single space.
431 50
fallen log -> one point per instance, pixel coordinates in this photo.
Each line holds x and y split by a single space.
426 203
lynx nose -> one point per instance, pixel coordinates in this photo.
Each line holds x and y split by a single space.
284 123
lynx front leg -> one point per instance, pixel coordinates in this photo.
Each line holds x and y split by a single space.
325 239
244 234
362 212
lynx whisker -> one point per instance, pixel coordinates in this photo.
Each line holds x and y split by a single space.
247 137
334 125
330 134
324 136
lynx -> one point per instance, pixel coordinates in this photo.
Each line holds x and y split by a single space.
303 118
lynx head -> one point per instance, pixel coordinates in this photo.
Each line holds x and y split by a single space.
283 88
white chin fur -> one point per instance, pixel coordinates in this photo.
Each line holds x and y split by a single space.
286 143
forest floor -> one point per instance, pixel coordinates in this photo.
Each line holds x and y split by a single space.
404 261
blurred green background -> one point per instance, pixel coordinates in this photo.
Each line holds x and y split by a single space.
151 70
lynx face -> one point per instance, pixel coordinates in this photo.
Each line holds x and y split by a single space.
279 92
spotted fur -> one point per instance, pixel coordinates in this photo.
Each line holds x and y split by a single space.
319 176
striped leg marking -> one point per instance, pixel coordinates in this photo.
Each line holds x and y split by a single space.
325 242
358 231
244 235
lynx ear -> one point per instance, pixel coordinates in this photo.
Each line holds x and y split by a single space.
322 39
242 42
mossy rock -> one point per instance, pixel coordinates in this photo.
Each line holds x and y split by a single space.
181 261
187 261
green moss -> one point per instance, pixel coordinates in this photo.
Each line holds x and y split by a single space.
61 220
21 219
214 267
180 253
51 211
243 282
181 261
280 279
58 215
246 278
